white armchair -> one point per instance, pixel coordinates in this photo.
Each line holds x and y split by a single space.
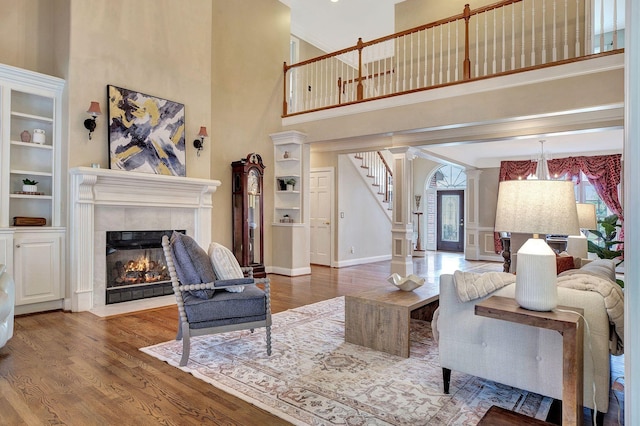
517 355
7 301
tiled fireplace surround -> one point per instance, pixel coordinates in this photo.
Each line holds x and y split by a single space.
112 200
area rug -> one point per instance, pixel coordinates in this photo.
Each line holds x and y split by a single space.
314 378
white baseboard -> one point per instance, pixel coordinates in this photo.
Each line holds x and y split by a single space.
361 261
491 258
287 271
53 305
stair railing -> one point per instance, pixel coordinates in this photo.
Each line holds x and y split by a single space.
498 39
378 170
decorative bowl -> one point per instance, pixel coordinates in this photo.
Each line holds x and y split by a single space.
408 283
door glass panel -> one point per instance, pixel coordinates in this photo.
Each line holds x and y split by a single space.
450 218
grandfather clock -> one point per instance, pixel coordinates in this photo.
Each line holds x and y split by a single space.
248 242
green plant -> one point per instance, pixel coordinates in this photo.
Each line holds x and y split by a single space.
29 182
609 247
291 181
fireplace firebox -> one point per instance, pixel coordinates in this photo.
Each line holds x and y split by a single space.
136 266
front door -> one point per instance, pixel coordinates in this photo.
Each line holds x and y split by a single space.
450 221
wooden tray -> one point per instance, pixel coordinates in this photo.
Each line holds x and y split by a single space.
29 221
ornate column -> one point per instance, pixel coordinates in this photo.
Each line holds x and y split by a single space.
401 225
81 241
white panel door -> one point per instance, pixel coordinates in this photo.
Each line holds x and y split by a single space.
321 206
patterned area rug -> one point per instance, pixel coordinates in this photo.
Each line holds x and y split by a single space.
314 377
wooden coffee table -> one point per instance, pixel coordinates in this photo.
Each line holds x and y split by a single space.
379 318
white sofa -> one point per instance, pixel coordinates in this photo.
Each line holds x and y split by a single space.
522 356
7 301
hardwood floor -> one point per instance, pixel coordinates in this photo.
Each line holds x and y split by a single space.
80 369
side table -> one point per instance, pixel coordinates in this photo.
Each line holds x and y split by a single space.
379 318
570 326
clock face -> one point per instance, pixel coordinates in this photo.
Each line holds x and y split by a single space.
252 183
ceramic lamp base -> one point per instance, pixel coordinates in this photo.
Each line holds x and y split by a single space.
536 280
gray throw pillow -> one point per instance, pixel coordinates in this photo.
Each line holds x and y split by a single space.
193 265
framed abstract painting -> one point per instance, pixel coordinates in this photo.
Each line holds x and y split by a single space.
146 133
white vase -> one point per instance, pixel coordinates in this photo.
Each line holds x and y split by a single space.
289 187
29 188
39 136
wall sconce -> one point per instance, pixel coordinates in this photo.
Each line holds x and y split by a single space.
199 143
90 123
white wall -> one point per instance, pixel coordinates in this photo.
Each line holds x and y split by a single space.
365 226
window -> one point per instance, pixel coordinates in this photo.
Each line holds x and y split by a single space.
449 177
586 193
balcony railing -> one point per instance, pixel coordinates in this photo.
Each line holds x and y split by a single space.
502 38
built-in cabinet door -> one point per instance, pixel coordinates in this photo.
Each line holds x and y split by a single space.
38 260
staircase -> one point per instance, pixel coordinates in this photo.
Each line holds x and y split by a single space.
376 171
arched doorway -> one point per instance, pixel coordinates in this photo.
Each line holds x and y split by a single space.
444 194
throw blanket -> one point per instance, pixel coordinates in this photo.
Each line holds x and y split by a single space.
470 286
613 302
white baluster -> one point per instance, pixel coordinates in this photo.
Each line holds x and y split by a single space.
566 31
533 32
380 76
477 61
411 61
513 36
603 48
457 61
448 53
504 46
615 25
577 29
544 33
495 44
397 65
314 86
404 61
440 79
418 61
384 78
433 56
522 54
486 24
554 56
323 83
426 53
341 95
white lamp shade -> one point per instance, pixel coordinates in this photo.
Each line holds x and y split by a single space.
586 215
537 207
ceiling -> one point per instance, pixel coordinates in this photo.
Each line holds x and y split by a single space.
490 154
331 26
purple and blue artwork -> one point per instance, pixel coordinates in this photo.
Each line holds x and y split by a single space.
146 133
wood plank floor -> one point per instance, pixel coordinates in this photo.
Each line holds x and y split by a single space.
79 369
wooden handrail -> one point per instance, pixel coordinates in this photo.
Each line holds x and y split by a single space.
386 165
347 69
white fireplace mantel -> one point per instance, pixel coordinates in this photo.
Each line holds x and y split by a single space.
135 193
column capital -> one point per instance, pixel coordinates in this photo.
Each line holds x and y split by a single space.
409 151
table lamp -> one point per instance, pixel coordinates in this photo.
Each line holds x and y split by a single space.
577 244
536 207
